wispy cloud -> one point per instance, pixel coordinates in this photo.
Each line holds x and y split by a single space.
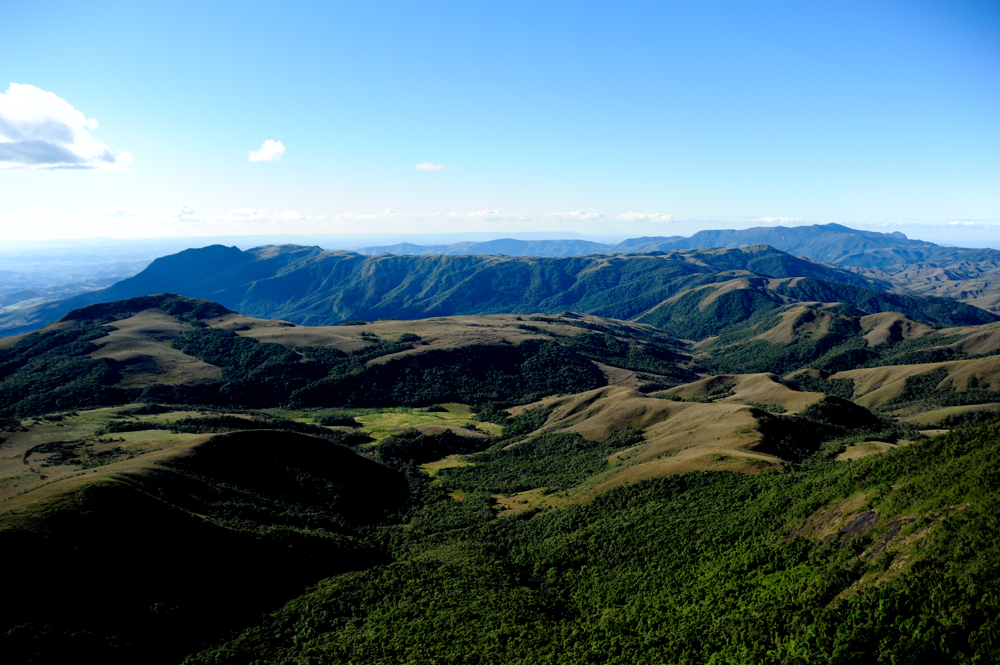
427 166
237 217
116 211
39 130
261 216
777 220
184 215
644 217
270 151
576 215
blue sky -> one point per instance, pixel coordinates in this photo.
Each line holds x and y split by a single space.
616 118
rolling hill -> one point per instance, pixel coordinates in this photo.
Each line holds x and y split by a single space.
177 349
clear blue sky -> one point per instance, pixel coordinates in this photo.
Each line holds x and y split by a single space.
715 114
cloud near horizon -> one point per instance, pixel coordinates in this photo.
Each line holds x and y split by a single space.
236 217
576 215
39 130
427 166
120 221
632 216
270 151
261 216
779 220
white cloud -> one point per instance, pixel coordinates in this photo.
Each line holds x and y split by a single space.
39 130
260 216
270 151
486 216
183 215
632 216
427 166
116 211
247 218
577 215
778 220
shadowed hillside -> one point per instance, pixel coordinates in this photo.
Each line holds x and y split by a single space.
212 532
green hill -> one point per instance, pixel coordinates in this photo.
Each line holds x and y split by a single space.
173 349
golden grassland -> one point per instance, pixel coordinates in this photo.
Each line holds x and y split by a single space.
876 385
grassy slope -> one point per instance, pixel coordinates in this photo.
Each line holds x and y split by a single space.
140 349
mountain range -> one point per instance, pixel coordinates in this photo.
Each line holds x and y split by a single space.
833 244
911 266
689 293
888 261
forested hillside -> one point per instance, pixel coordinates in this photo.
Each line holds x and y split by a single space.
889 559
307 285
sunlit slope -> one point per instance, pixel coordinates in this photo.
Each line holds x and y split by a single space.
173 349
831 337
877 385
57 454
718 423
973 279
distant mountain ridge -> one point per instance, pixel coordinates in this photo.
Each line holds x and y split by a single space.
505 246
834 244
308 285
912 266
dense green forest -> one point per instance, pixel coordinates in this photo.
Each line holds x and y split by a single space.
704 567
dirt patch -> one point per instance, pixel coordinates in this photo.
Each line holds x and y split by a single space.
861 450
450 462
859 526
827 523
431 430
528 500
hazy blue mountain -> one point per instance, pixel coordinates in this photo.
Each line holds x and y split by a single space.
506 246
407 249
829 243
308 285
